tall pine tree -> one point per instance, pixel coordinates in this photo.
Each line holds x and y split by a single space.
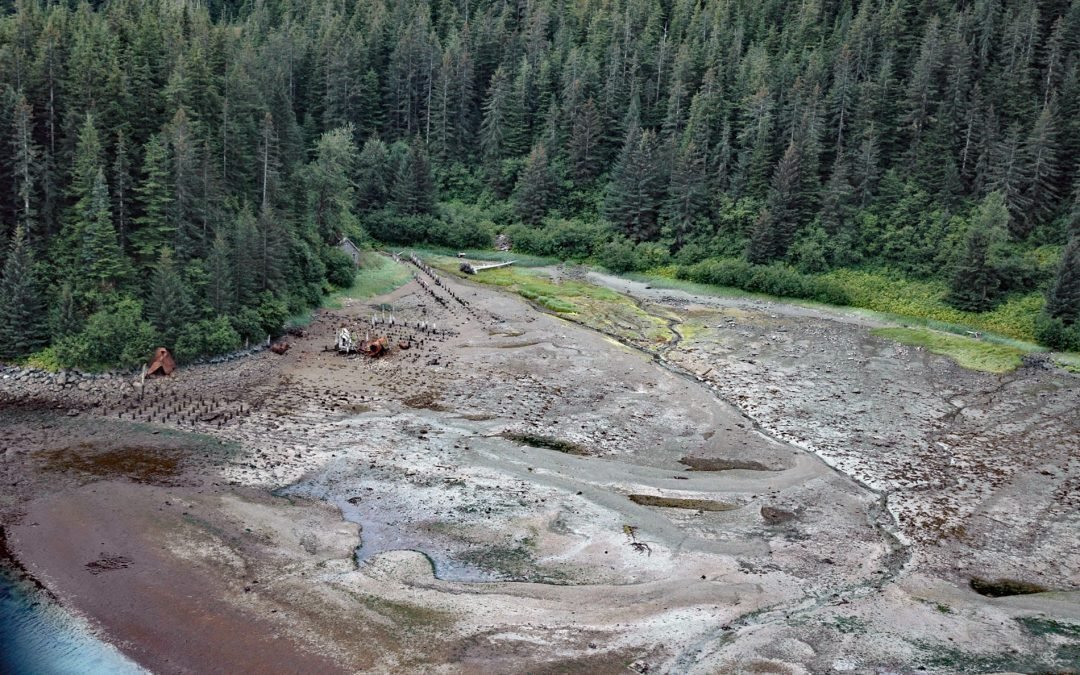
775 229
23 326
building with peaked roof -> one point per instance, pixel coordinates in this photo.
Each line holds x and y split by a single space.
350 249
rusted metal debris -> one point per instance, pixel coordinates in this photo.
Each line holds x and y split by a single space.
375 348
162 363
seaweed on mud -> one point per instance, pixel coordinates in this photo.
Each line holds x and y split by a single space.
407 615
1001 588
138 464
692 504
546 442
108 564
1042 627
512 562
950 659
721 464
427 400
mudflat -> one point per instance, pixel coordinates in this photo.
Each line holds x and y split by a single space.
697 484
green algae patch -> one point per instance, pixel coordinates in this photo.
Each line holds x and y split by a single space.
970 353
691 504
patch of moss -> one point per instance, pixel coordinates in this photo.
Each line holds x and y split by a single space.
967 352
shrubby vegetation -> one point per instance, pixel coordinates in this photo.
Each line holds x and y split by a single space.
199 162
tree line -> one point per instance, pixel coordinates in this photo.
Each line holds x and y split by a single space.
180 172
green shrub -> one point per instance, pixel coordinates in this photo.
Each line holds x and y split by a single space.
394 228
248 324
777 279
46 359
558 238
114 336
206 338
340 268
618 255
462 226
1056 334
273 313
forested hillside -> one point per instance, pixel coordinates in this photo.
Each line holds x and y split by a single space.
178 172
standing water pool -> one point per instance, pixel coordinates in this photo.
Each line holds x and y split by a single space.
39 637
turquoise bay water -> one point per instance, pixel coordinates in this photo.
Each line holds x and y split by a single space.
38 637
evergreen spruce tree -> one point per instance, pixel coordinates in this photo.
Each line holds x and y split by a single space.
26 166
88 162
585 140
372 175
495 127
272 243
102 262
66 250
22 307
1009 177
168 304
535 187
636 188
687 194
245 261
122 187
64 318
220 293
1040 157
152 228
775 230
1063 300
184 211
837 211
330 185
974 285
414 184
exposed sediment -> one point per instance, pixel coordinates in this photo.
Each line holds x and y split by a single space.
513 492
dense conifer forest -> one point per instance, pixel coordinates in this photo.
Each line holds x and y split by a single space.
179 172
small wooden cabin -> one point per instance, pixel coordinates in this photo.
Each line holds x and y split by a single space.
350 249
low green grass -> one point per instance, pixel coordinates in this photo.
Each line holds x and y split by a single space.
1068 361
925 300
968 352
594 306
911 303
377 275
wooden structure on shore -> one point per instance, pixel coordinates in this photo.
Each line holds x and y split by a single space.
469 268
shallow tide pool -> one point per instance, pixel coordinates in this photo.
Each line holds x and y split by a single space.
39 637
